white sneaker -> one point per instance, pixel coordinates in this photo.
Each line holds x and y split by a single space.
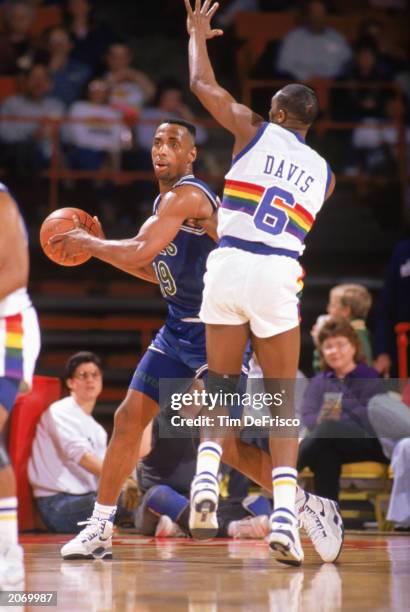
11 568
252 527
203 522
166 528
93 542
284 538
322 521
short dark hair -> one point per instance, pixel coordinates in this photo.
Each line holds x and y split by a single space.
338 326
186 124
300 101
78 359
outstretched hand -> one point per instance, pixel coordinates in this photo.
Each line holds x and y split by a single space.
70 243
199 19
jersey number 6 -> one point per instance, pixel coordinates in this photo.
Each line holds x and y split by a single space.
269 217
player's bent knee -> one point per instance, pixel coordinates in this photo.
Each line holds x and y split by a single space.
222 383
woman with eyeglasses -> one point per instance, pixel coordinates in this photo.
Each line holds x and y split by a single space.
335 409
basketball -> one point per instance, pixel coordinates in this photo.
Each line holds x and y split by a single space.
61 221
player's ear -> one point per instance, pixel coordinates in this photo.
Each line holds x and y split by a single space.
193 155
281 116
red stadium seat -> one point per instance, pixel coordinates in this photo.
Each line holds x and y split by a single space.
25 416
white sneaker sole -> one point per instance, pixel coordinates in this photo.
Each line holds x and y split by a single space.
98 553
203 523
283 549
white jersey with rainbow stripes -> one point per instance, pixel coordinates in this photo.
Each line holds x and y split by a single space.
274 190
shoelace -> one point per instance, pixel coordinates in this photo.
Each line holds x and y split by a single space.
315 530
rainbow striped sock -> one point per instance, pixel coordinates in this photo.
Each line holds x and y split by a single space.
284 488
208 458
8 520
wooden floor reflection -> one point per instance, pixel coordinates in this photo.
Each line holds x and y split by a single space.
373 573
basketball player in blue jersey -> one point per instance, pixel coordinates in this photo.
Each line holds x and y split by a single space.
19 347
174 239
273 192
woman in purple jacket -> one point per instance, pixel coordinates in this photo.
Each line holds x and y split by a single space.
335 409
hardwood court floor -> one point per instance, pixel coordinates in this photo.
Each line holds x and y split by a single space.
373 573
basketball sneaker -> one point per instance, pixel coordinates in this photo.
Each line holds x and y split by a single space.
93 542
203 522
322 521
11 567
283 537
166 528
252 527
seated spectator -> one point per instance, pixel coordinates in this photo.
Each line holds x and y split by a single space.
313 49
390 418
129 87
376 141
29 142
89 36
371 31
68 449
68 75
393 308
95 138
361 102
335 409
169 103
352 302
16 44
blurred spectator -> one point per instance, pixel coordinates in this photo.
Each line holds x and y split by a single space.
169 103
129 87
68 449
96 138
314 49
376 141
68 75
393 307
390 418
29 142
90 37
361 102
335 409
16 45
371 32
351 302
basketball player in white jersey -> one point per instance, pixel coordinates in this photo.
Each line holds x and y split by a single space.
19 347
273 192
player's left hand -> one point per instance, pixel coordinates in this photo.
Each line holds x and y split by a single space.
199 19
70 243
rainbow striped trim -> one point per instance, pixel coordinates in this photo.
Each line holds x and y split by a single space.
245 197
13 362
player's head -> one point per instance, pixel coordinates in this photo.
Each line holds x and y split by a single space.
83 376
173 149
295 106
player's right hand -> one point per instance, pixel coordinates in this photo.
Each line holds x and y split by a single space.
199 19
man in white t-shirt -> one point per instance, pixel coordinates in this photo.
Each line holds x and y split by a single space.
69 448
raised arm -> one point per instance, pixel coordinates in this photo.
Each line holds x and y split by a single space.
235 117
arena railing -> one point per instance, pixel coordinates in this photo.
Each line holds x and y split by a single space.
57 171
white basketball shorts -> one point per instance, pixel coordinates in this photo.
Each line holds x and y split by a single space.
243 287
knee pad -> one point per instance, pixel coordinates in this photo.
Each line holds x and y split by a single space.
162 499
4 456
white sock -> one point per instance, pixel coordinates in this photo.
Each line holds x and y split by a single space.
8 520
104 512
284 489
208 458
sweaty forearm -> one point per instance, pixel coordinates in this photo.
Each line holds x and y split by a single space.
200 69
126 255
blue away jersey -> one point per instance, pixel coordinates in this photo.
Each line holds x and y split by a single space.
181 266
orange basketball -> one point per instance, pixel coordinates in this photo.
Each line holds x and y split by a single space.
61 221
